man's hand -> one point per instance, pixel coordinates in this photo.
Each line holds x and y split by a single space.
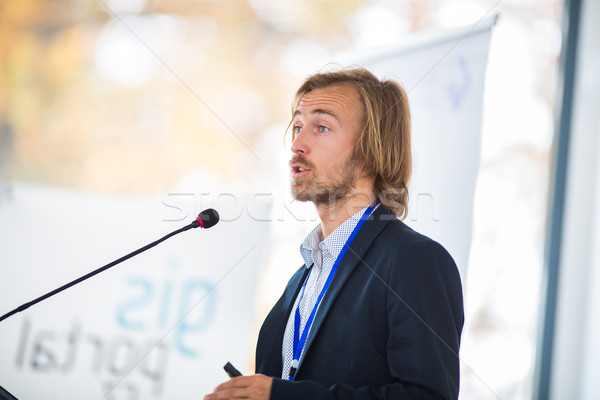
243 387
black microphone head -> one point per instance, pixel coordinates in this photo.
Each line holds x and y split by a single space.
209 218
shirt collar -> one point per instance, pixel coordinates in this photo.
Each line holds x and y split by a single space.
310 245
334 243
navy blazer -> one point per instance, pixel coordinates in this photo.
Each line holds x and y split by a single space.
388 327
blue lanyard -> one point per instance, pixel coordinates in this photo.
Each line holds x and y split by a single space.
299 341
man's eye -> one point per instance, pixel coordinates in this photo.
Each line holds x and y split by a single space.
323 128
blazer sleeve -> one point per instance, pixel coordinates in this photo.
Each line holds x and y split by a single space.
425 318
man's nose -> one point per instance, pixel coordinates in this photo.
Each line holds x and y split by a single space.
300 145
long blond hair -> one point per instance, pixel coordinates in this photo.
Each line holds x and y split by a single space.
383 143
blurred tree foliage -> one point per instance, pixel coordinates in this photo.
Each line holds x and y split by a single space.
213 80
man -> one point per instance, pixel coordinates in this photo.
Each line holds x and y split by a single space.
376 311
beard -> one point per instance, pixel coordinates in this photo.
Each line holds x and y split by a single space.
326 190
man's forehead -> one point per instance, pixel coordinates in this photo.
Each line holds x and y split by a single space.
339 96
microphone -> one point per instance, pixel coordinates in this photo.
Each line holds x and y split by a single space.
206 219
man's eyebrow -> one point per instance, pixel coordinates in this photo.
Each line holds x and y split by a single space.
320 111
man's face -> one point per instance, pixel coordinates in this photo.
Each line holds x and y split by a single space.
326 125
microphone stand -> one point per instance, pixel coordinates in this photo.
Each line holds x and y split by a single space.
95 272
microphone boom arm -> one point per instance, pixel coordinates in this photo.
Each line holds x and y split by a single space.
208 222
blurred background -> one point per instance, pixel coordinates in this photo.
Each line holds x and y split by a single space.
137 97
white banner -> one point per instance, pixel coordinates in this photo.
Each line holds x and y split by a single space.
158 326
444 76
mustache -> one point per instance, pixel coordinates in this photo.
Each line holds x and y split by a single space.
299 159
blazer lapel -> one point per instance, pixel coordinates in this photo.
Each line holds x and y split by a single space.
281 312
358 248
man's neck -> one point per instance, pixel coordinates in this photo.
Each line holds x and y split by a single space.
334 215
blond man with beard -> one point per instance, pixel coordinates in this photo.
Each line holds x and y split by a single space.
376 311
